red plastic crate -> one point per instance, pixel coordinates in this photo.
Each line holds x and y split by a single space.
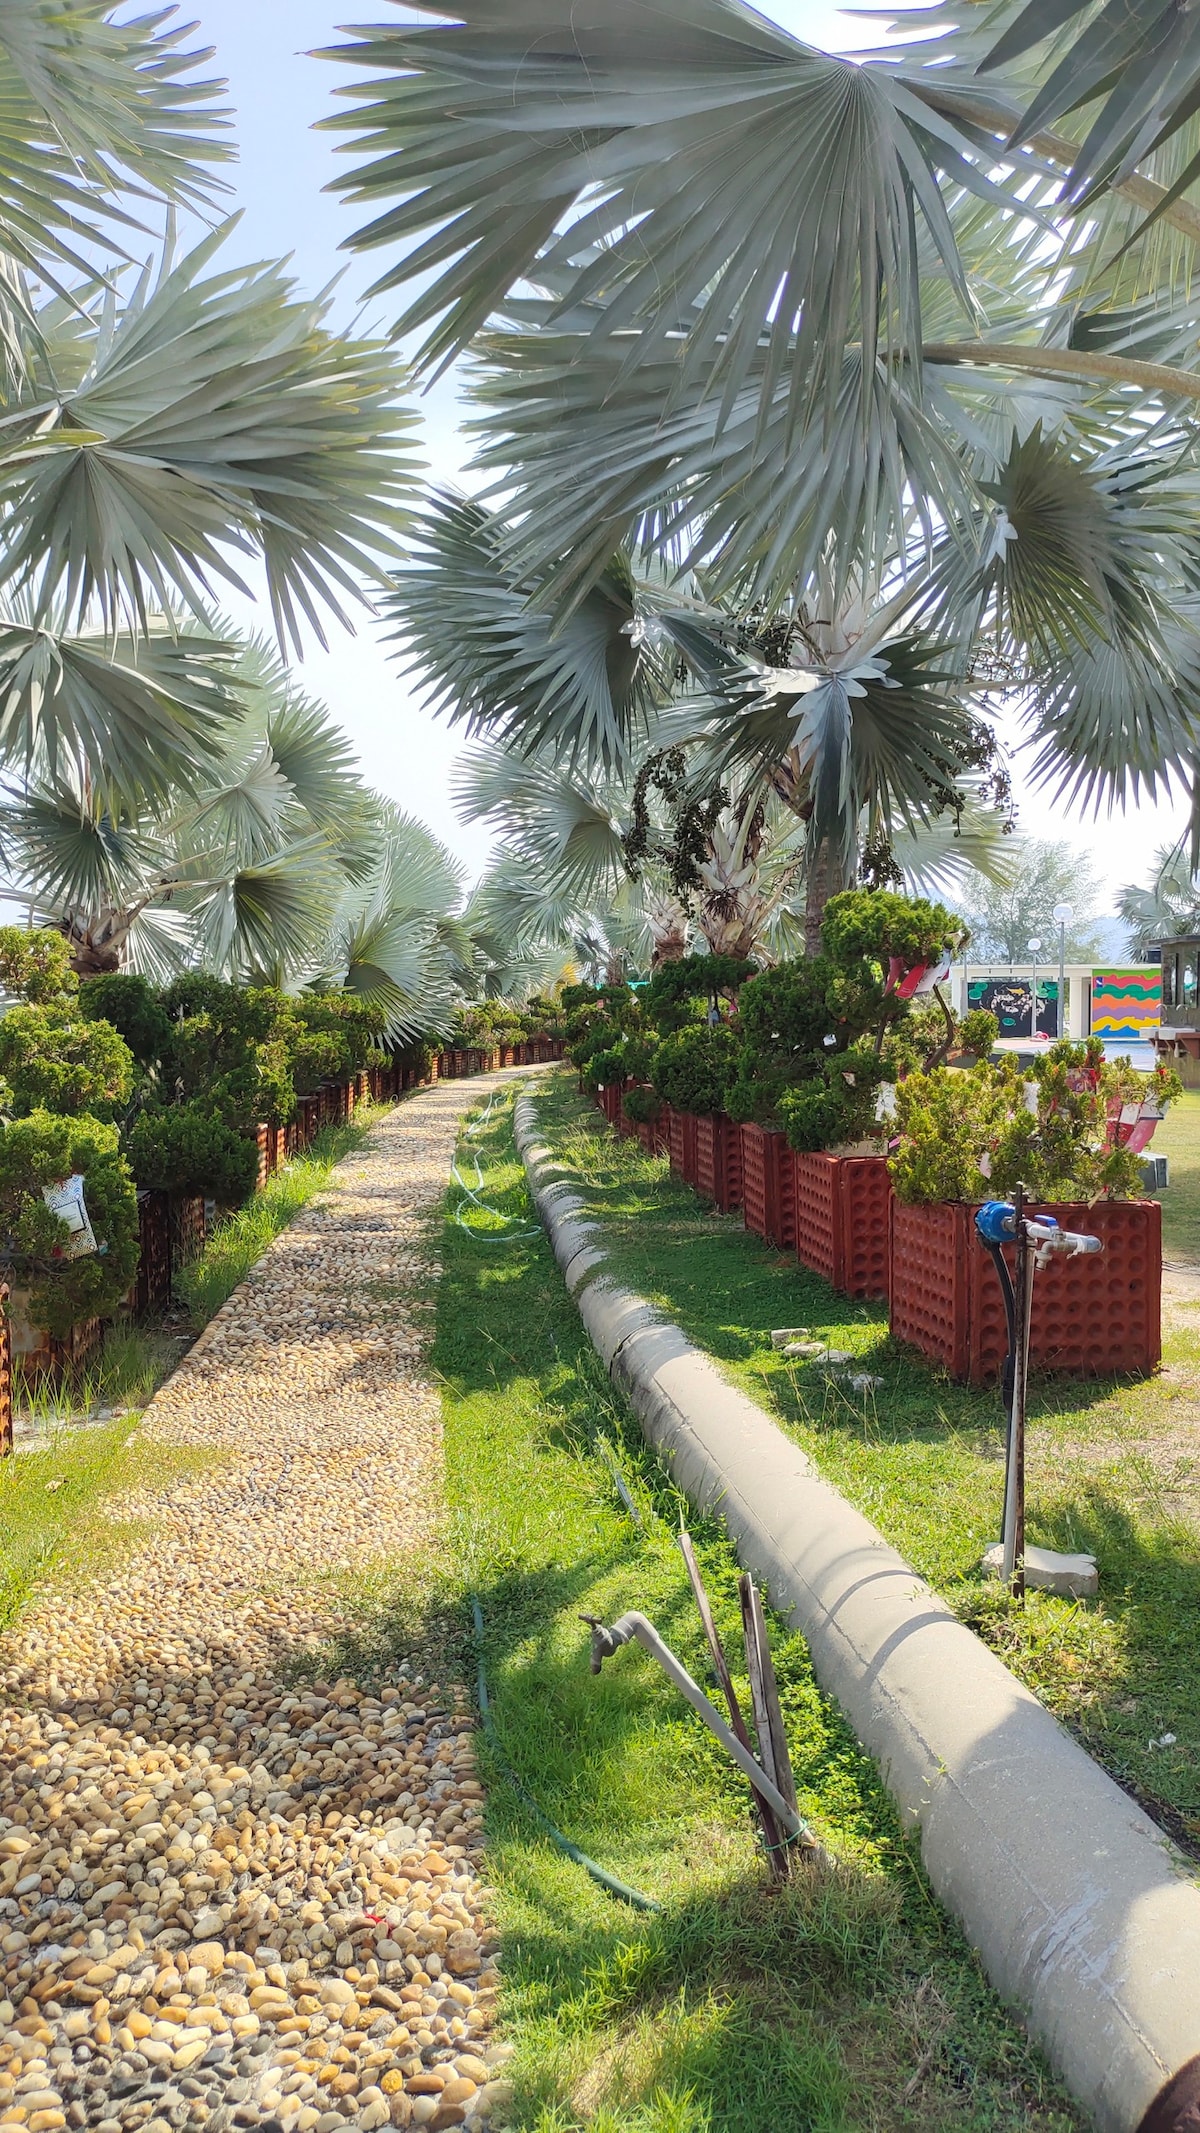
681 1144
818 1215
719 1160
866 1203
1090 1316
769 1186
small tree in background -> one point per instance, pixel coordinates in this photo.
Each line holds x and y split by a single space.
1005 916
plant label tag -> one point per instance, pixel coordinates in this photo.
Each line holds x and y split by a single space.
67 1202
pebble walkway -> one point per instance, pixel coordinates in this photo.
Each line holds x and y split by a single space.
225 1902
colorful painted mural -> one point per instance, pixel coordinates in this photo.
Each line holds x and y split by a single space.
1126 1003
1008 1000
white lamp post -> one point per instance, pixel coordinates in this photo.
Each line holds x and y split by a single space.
1034 945
1064 913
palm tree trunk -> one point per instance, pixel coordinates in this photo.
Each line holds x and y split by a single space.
824 881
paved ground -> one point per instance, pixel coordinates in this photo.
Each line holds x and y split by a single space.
224 1901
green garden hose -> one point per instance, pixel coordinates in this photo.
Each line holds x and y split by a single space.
608 1882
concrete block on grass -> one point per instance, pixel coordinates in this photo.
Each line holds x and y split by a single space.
1076 1576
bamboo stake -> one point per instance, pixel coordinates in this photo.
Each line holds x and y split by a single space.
773 1835
764 1693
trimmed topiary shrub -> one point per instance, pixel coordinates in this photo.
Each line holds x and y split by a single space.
693 1068
36 966
53 1059
680 992
135 1009
783 1021
43 1150
186 1149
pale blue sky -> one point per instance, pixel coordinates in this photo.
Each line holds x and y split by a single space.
262 46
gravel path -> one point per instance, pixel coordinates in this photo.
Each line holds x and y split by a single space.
224 1902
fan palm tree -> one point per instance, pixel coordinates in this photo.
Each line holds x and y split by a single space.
851 718
814 330
1167 909
279 863
163 425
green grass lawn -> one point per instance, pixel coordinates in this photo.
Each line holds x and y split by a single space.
1112 1467
849 2001
1179 1138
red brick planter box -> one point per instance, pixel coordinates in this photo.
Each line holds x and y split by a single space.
681 1143
769 1186
719 1160
609 1100
842 1220
652 1133
1091 1317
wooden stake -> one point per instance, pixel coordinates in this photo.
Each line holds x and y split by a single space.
773 1835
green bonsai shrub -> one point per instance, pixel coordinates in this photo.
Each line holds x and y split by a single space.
977 1134
603 1069
783 1022
186 1149
839 1104
800 1022
55 1060
681 992
978 1031
641 1104
231 1049
36 966
134 1008
43 1150
693 1069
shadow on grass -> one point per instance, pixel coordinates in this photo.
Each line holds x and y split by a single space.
1131 1698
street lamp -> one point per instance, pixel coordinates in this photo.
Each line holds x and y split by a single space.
1034 945
1064 914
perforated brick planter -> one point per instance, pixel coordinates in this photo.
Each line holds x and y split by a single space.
1091 1316
769 1186
652 1134
842 1220
152 1288
681 1144
719 1160
866 1196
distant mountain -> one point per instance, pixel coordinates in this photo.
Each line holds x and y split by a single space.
1112 939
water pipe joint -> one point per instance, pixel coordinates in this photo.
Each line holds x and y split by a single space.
996 1221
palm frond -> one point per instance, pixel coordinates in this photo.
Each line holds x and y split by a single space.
95 112
135 717
494 661
589 456
218 414
319 764
936 857
274 911
243 809
572 822
69 851
685 159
